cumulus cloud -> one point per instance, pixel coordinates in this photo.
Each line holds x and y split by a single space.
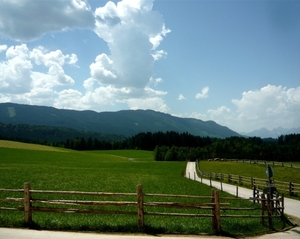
15 72
54 60
20 82
156 81
133 31
3 47
271 107
27 20
275 104
181 97
154 103
203 94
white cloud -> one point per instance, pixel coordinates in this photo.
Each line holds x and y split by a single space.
133 31
15 72
155 81
159 54
27 20
271 107
154 103
54 60
102 70
69 99
181 97
203 94
3 48
21 82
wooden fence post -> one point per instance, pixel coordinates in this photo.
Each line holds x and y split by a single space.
27 204
254 193
291 189
237 191
282 206
216 219
140 207
269 207
263 207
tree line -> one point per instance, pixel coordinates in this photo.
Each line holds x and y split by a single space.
173 146
167 146
284 148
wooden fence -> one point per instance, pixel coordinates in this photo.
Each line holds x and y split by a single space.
206 206
284 187
251 161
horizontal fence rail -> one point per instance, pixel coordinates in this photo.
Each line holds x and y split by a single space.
143 204
251 161
259 183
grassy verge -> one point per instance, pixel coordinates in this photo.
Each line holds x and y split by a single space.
110 171
284 174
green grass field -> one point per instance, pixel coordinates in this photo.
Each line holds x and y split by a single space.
107 171
285 174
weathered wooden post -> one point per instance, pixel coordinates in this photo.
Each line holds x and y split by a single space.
282 207
216 219
254 194
291 189
140 207
27 204
269 208
263 203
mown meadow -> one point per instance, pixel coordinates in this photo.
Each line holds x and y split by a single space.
119 171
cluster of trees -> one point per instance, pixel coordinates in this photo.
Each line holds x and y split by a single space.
285 148
143 141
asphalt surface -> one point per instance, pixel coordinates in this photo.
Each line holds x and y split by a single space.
292 207
7 233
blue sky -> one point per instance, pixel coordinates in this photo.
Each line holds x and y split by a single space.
234 62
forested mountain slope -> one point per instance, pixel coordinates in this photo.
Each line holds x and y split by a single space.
125 122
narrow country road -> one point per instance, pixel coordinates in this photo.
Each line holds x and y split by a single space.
291 207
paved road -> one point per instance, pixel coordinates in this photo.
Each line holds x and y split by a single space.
10 233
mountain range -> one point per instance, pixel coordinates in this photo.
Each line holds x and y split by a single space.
275 133
124 122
